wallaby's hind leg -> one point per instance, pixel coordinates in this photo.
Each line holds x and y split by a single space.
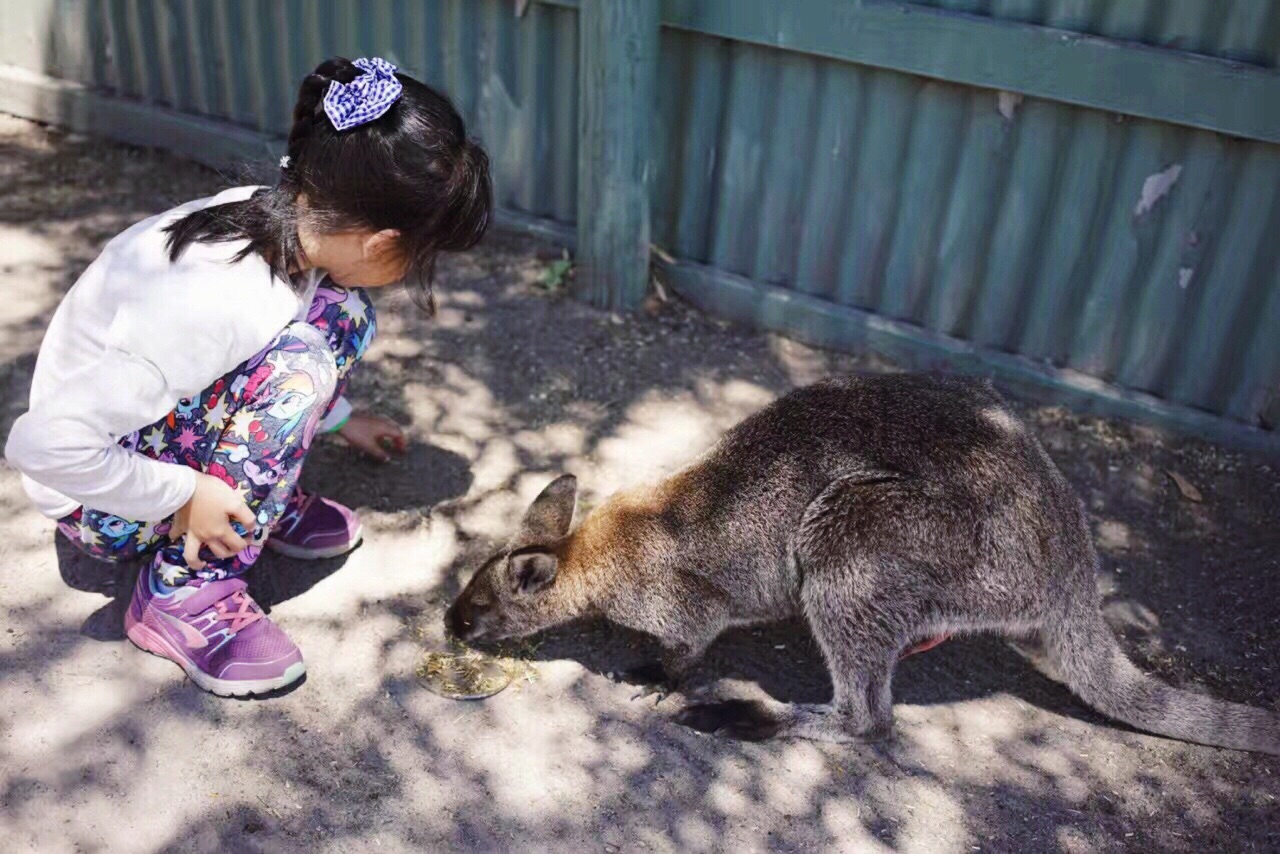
860 638
861 612
860 641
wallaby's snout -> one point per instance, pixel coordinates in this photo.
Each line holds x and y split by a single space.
513 593
475 614
457 620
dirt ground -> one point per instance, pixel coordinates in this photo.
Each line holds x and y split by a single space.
105 748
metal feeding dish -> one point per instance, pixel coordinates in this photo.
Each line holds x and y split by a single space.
465 675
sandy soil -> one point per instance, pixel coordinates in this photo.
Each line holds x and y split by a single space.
105 748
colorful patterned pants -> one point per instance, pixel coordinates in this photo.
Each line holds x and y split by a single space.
252 428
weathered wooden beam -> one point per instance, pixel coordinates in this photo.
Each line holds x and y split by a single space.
1166 84
60 102
617 79
1059 65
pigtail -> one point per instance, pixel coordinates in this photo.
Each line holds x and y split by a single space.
460 222
412 169
268 218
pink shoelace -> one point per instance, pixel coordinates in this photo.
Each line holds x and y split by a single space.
243 615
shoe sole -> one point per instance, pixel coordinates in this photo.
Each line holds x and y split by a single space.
303 553
148 640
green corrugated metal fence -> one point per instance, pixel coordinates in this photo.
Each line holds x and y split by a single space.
1078 194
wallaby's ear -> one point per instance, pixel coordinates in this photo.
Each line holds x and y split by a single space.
549 517
531 571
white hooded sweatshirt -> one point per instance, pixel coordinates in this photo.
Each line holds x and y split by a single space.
135 335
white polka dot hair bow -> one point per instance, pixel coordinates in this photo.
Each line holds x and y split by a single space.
365 98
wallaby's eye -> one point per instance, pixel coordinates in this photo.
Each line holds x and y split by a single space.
481 602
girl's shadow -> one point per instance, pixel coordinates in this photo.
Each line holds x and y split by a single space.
424 477
272 580
113 580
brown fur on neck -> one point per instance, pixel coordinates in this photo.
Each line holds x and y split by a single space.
609 547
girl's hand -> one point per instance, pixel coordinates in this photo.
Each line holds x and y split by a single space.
373 435
205 520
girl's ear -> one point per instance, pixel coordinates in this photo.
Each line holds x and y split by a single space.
378 244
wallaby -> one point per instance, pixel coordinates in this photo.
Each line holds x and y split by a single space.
886 510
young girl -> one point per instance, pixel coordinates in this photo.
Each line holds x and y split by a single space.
183 376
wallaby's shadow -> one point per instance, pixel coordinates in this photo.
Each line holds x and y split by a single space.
783 661
598 645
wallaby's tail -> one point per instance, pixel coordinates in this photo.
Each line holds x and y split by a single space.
1090 660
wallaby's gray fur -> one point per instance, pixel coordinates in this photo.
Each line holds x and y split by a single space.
885 510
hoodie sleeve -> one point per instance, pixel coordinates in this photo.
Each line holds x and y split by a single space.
69 442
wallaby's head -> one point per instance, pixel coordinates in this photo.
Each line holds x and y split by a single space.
514 592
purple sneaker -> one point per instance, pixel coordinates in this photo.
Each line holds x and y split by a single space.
215 632
313 527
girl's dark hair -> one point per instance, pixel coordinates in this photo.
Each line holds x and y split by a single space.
412 169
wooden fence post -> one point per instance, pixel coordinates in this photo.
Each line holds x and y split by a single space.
617 74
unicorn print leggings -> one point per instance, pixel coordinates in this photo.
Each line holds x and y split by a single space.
251 428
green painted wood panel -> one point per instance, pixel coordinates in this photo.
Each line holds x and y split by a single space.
1008 223
514 79
1239 30
983 50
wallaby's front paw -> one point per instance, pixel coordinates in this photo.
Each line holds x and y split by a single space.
651 678
747 720
660 691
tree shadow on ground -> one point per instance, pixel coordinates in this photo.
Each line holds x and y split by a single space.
505 388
